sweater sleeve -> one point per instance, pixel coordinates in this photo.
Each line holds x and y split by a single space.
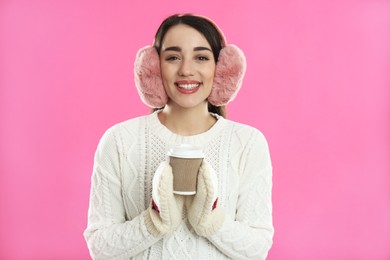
250 234
109 234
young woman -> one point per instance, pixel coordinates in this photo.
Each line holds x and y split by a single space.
188 76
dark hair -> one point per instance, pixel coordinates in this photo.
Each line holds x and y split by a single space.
203 26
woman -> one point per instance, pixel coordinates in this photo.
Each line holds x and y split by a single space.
188 76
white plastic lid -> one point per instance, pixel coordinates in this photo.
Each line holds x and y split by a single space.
186 151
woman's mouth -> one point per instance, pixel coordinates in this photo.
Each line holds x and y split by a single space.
188 87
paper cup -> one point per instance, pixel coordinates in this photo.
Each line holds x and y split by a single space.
185 161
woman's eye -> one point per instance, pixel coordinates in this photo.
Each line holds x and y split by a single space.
172 58
203 58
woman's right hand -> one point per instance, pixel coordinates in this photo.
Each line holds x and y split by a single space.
164 214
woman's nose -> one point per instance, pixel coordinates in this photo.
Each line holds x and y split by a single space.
186 68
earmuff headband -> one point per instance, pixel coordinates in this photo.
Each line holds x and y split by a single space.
229 73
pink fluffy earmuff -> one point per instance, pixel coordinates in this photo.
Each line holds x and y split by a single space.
229 73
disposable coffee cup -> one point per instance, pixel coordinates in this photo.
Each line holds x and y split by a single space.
185 161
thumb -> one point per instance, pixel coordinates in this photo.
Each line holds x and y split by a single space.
210 179
166 182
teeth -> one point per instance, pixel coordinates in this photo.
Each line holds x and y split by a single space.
188 86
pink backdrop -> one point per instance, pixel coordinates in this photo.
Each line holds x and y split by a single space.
317 85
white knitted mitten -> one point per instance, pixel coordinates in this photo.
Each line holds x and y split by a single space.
164 213
203 213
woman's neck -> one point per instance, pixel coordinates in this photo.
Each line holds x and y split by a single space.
187 121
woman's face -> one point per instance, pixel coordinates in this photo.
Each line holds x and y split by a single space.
187 67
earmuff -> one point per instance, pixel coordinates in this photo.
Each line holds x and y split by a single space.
229 73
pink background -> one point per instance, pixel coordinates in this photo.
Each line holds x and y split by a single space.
317 86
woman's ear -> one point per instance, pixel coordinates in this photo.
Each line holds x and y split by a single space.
147 77
229 74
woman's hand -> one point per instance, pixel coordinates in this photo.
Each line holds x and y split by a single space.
203 212
165 211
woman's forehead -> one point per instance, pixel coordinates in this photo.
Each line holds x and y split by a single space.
184 36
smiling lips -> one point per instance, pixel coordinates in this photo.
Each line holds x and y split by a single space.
188 87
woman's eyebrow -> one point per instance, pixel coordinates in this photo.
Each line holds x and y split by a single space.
202 49
173 48
176 48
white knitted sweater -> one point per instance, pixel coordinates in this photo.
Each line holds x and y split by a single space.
125 161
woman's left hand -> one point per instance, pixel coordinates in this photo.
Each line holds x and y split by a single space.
203 212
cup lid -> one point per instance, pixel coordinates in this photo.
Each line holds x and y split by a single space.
186 151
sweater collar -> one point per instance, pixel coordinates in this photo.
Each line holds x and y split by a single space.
199 139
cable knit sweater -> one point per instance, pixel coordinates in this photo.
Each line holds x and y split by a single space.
125 161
